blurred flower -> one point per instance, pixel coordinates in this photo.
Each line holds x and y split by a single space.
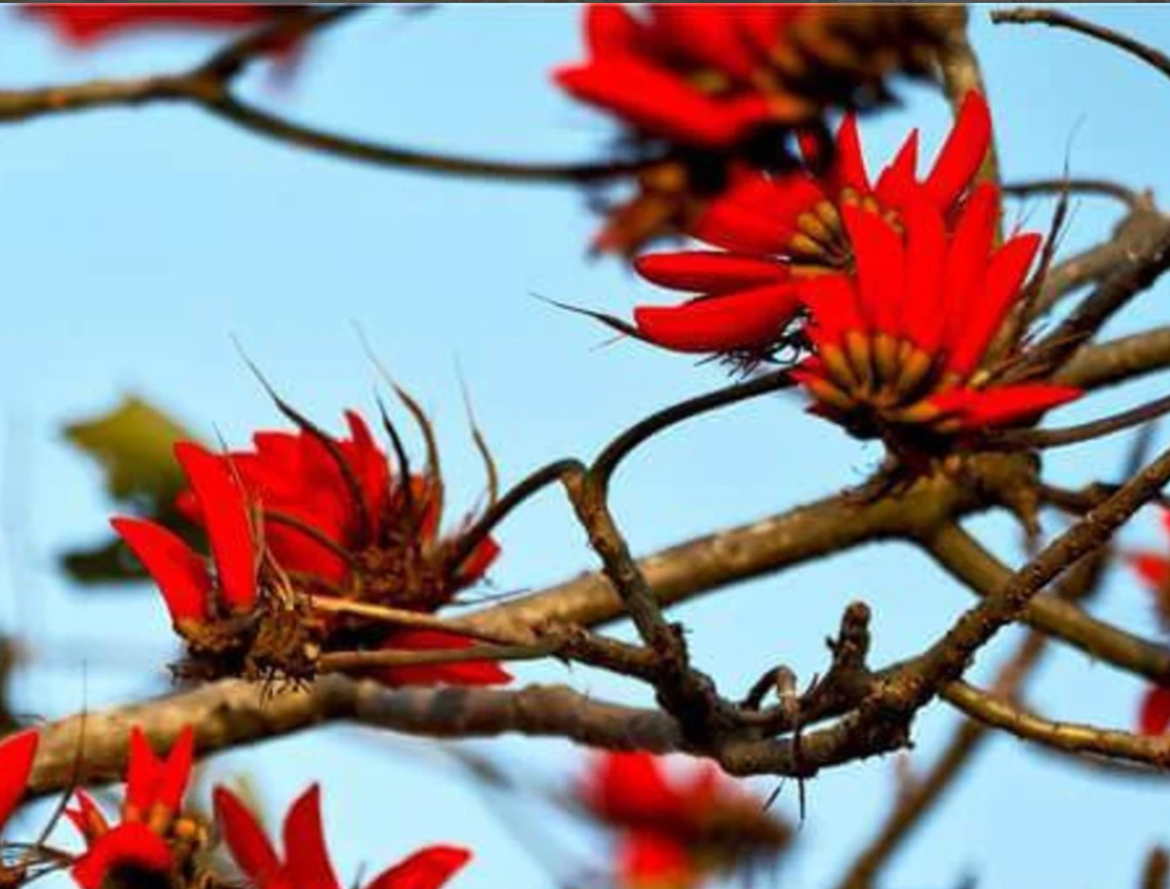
306 863
676 833
898 346
1153 568
153 837
83 24
709 86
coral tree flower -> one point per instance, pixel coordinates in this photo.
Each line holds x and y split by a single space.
209 610
1153 568
83 24
676 832
335 519
899 344
774 229
17 753
153 836
306 863
712 87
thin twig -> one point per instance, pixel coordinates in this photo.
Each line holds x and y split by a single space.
1028 15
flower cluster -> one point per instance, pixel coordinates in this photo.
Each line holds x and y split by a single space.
895 286
678 831
303 516
158 842
721 88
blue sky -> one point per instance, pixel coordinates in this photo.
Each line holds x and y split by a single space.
137 243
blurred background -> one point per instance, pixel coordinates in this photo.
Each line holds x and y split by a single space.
138 243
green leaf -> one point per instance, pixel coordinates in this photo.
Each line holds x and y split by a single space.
134 445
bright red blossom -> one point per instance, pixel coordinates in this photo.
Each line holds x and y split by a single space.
338 519
17 753
898 346
673 833
773 229
334 519
153 835
87 23
306 863
193 595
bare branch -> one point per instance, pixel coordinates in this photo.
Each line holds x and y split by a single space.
1027 15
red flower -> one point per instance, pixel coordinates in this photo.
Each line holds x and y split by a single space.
17 753
153 835
686 73
1154 713
193 596
338 519
306 863
1153 568
898 345
675 832
87 23
708 89
771 229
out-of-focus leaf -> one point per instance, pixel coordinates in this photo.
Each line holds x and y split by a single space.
134 444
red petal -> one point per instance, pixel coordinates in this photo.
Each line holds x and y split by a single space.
748 319
83 23
1153 568
428 868
229 529
1154 716
926 252
143 773
181 575
757 215
962 154
832 303
1001 288
369 465
176 772
967 260
472 673
762 23
610 29
708 272
477 564
881 268
849 164
249 845
1007 405
127 845
631 788
17 754
703 34
661 103
87 817
898 183
649 860
306 857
